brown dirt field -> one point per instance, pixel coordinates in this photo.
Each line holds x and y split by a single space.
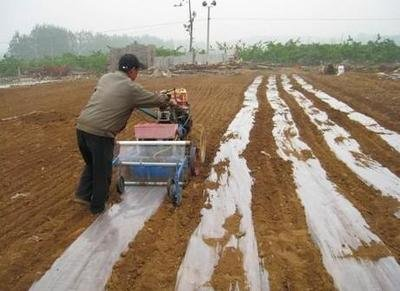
40 166
370 143
376 209
155 255
279 220
365 93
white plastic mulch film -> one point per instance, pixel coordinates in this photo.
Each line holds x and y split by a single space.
391 137
336 226
87 263
231 196
346 148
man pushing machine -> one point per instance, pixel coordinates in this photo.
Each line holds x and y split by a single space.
105 115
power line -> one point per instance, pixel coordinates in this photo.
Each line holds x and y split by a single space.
307 19
292 19
252 19
141 27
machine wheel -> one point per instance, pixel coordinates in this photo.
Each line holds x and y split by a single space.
177 201
193 167
121 185
170 189
172 193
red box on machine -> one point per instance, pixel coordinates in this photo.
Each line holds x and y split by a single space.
155 131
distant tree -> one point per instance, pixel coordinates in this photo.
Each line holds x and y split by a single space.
51 41
43 41
294 52
9 66
21 46
224 46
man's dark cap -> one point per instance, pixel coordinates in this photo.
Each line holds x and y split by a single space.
128 62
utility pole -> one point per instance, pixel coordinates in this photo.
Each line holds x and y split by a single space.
205 4
188 27
208 29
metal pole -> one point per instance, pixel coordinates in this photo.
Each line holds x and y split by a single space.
208 30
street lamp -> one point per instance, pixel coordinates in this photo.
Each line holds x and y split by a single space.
205 4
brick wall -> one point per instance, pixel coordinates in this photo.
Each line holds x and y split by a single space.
145 53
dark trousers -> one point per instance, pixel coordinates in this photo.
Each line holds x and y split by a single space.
97 151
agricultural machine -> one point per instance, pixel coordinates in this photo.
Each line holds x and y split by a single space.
166 152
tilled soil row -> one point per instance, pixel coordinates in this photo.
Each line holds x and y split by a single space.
290 256
376 209
365 93
370 143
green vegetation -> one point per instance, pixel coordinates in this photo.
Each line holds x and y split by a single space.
95 63
294 52
50 49
165 52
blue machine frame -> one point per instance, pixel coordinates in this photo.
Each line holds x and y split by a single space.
171 174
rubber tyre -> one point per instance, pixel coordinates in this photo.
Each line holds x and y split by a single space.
121 185
192 161
170 189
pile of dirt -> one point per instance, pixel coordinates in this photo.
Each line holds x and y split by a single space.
394 75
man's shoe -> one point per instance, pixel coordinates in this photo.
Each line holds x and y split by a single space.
81 201
100 210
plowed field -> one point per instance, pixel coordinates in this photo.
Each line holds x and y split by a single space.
40 166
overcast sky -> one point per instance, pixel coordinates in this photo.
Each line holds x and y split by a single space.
231 19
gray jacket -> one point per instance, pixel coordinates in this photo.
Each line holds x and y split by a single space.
112 103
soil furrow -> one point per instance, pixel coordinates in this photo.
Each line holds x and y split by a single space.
364 94
376 209
370 143
282 233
